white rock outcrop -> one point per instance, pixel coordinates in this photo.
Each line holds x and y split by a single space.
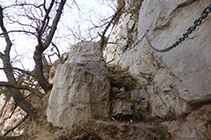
81 87
189 64
177 80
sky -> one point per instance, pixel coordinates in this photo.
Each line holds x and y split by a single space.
74 17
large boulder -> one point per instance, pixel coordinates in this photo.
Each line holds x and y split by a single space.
81 87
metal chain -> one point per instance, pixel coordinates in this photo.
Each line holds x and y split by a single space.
197 22
124 50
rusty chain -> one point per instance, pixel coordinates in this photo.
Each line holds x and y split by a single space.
197 22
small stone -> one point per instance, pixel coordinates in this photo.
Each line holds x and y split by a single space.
130 24
138 95
122 108
122 89
114 89
122 95
143 105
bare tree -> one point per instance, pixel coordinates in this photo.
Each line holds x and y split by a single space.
43 19
95 21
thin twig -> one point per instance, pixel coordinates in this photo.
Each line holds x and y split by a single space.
25 71
79 124
57 52
13 111
2 109
36 92
109 24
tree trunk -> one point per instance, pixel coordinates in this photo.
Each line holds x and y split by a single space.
16 94
42 46
19 99
39 70
22 103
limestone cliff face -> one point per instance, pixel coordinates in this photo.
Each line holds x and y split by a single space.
178 80
139 84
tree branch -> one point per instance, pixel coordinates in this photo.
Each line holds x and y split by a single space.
13 111
54 25
109 24
25 72
41 47
2 109
46 18
1 55
36 92
20 31
21 70
58 53
23 4
5 33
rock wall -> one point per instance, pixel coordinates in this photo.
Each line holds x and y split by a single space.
81 87
179 80
147 95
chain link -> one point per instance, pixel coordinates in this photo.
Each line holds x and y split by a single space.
197 22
